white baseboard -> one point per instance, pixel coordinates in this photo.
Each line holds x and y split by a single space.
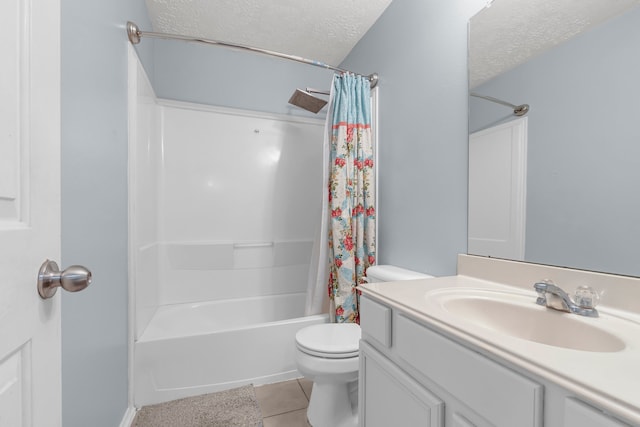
127 419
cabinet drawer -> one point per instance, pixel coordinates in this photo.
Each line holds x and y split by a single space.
494 392
375 321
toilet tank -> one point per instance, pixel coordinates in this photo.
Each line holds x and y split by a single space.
391 273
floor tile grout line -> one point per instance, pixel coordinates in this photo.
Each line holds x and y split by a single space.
302 389
284 413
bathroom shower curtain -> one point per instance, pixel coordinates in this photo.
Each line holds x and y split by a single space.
351 194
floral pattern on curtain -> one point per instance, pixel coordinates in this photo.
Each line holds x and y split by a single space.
351 194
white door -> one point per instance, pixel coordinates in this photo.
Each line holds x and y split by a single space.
497 190
29 211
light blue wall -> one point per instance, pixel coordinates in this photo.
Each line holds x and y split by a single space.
419 48
220 76
583 165
94 207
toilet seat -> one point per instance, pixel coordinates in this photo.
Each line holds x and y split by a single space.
330 340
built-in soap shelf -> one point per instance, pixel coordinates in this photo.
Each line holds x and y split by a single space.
236 255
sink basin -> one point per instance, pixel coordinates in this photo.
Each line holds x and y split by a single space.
519 316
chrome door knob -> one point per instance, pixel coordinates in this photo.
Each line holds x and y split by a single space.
73 279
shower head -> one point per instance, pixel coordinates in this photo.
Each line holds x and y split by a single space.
305 100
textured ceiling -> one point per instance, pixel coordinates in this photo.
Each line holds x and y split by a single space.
323 30
509 32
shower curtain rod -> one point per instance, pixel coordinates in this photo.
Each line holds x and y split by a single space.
135 35
518 110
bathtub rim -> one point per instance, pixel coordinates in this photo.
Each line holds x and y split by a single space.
168 311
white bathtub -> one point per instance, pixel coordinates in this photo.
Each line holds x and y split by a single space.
191 349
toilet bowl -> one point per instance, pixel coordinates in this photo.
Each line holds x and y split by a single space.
327 354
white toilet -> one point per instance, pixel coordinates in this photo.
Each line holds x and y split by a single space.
327 354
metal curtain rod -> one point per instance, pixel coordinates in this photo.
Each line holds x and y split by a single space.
319 92
518 110
135 35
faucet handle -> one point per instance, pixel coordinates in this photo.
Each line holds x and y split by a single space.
586 297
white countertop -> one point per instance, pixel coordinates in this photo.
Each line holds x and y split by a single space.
610 380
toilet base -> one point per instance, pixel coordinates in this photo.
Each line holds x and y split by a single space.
330 406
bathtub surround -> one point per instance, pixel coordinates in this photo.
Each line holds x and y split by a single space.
230 408
144 166
193 238
219 251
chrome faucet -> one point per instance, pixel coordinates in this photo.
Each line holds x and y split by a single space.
552 296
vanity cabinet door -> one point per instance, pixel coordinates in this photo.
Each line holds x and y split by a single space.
579 414
389 397
461 421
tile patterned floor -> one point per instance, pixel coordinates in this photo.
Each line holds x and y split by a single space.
285 404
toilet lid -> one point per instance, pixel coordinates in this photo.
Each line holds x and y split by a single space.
330 340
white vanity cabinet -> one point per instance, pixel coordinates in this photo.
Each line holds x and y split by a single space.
579 414
412 375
